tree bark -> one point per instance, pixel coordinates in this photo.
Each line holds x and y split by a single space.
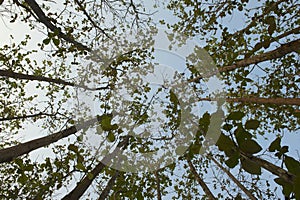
47 22
85 183
25 116
200 181
14 75
10 153
281 51
260 100
157 185
285 175
237 182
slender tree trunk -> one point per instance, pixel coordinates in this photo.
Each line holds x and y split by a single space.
108 187
14 75
10 153
260 100
285 175
237 182
200 181
85 183
157 185
281 51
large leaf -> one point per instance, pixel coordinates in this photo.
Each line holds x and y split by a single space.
241 134
292 165
233 160
225 143
250 146
252 124
275 145
236 115
251 167
287 187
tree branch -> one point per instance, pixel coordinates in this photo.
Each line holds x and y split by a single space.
14 75
200 181
281 51
260 100
237 182
25 116
157 185
285 175
108 187
47 22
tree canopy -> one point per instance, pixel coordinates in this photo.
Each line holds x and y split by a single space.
127 99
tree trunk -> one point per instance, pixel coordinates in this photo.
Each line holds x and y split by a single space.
8 154
85 183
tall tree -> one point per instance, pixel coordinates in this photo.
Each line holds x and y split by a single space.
108 133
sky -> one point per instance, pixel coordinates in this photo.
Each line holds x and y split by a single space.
18 30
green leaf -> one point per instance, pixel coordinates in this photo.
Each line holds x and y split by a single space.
275 145
80 166
46 41
233 160
106 122
251 167
238 197
22 179
296 186
173 98
204 122
252 124
111 137
224 143
287 187
292 165
139 196
241 134
250 146
73 148
227 127
195 148
19 162
284 149
56 41
236 115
